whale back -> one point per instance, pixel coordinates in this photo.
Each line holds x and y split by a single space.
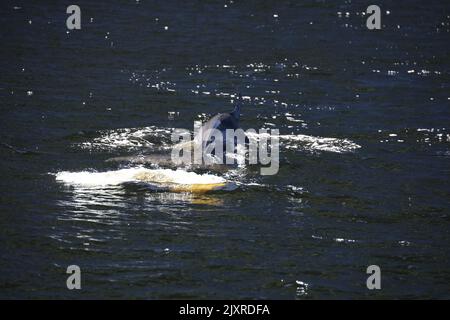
221 122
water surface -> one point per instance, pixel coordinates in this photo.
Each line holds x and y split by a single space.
364 170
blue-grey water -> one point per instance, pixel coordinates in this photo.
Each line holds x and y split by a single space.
376 192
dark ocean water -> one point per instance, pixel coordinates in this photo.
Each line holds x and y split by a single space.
375 193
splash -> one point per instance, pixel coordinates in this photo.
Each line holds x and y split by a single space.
139 174
139 138
311 143
129 139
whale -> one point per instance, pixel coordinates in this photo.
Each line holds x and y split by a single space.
220 122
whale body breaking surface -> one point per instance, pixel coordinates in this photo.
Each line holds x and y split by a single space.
166 179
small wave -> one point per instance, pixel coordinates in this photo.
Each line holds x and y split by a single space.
159 138
129 139
117 177
311 143
320 143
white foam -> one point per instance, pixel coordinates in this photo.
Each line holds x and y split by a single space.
117 177
321 143
127 138
311 143
137 138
